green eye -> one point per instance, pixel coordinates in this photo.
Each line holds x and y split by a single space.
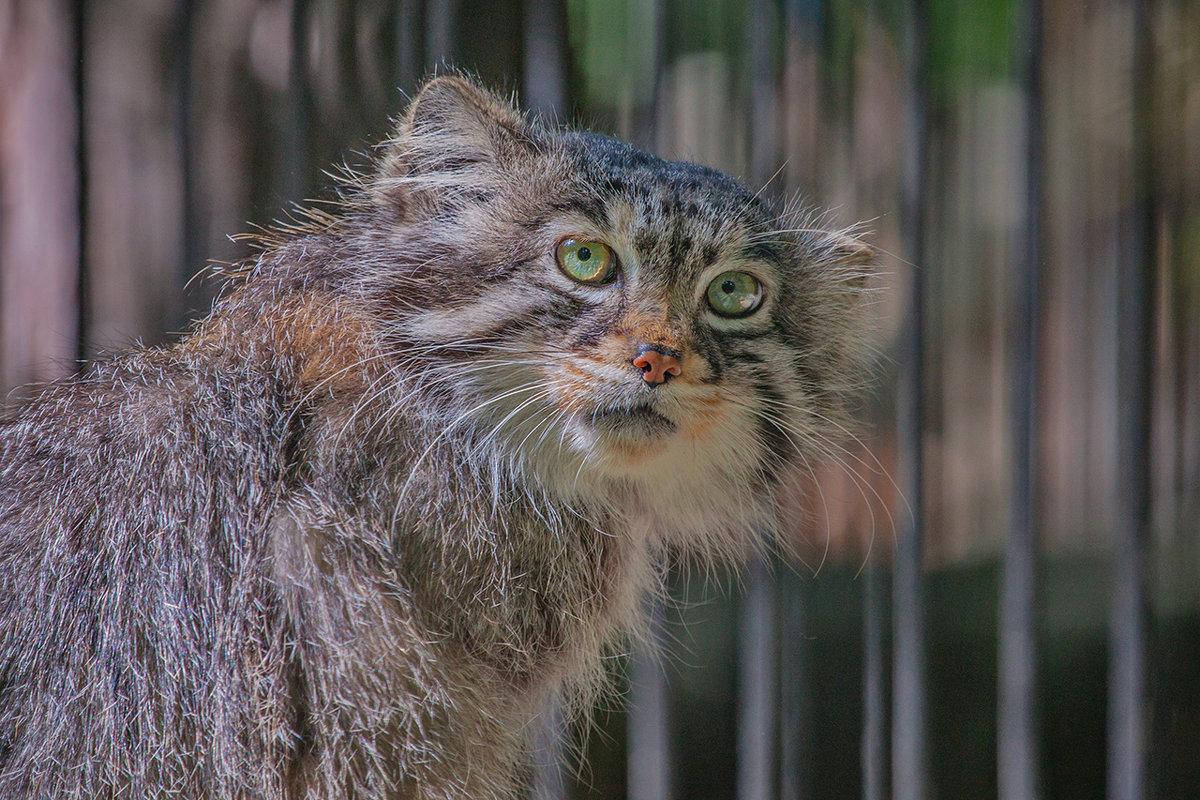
586 261
735 294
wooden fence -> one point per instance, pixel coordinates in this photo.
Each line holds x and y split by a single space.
1008 597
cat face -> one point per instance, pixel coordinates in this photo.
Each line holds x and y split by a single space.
600 315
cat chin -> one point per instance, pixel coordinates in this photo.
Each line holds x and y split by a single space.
635 428
625 445
655 458
645 446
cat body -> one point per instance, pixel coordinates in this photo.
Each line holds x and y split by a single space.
415 473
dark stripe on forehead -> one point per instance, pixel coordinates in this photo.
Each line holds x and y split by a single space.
669 205
761 251
589 206
611 161
679 250
615 185
643 244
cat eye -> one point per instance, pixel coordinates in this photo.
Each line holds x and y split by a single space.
735 294
586 261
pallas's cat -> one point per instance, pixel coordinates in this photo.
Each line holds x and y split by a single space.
414 474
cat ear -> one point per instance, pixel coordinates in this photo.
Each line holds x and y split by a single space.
453 128
854 257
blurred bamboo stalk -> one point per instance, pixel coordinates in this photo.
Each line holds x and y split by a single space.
1128 717
909 699
1017 747
39 190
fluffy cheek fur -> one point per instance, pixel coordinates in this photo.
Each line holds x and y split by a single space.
698 487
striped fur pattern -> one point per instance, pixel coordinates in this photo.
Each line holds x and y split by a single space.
405 484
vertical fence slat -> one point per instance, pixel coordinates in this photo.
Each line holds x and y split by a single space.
908 612
648 759
297 149
757 687
794 688
549 780
439 32
38 224
874 733
79 85
408 43
1136 293
545 81
1016 755
190 255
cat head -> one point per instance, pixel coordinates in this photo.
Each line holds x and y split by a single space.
607 322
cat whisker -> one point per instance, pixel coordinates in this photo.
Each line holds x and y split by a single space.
876 469
821 445
451 426
824 505
549 415
879 467
327 381
769 181
815 441
811 470
490 436
374 391
406 359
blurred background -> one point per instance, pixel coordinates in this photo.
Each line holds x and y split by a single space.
999 592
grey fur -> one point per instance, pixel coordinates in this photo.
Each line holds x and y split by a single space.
348 536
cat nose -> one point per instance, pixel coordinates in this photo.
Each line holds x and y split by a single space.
657 363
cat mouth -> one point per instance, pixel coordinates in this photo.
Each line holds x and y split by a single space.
635 423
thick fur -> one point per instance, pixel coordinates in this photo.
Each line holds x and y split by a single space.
347 537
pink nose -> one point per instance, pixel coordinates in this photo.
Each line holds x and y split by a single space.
656 367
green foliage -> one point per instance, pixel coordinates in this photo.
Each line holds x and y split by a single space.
699 27
612 47
969 42
613 43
